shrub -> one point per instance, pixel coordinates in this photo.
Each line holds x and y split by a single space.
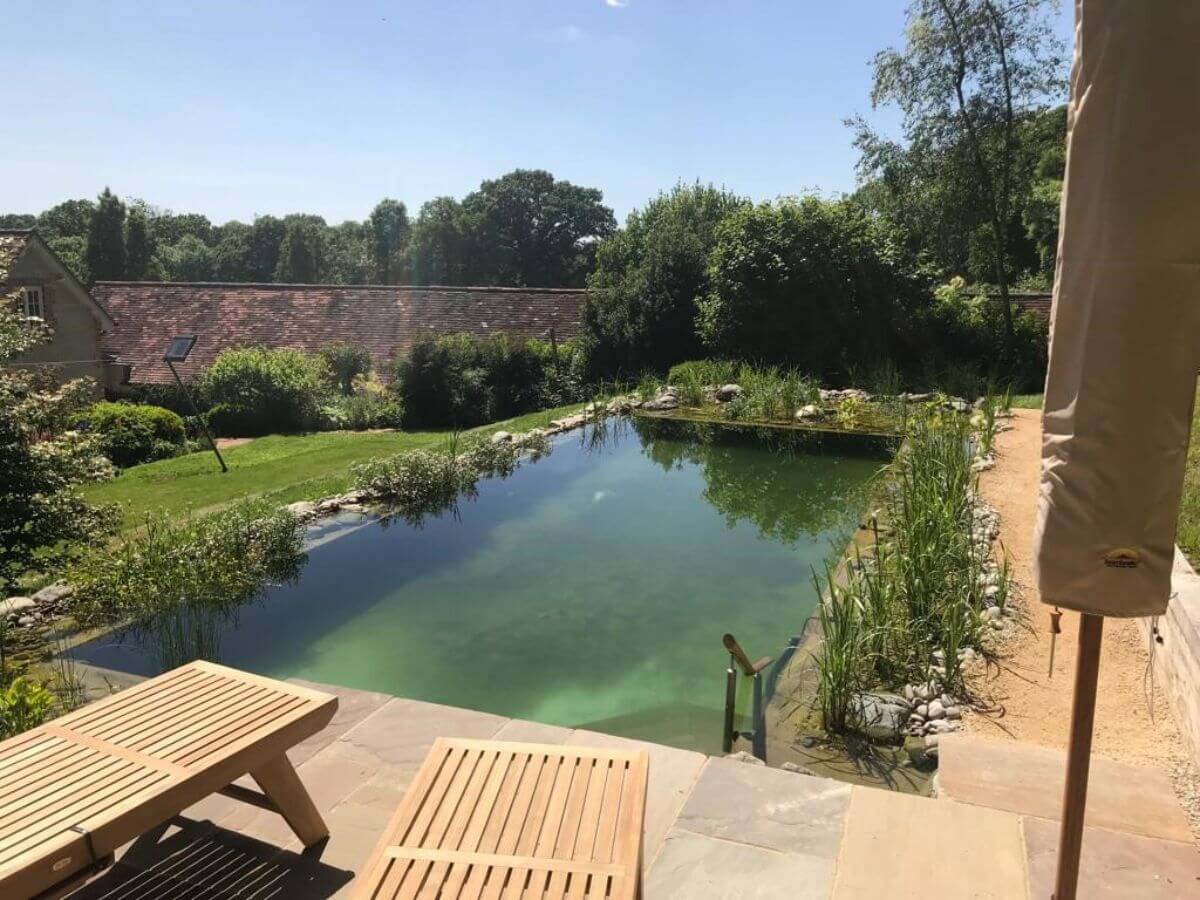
460 381
372 409
256 391
129 434
23 705
346 362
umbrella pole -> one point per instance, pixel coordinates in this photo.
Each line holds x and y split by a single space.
1079 756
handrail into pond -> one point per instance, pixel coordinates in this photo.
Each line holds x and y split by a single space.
738 659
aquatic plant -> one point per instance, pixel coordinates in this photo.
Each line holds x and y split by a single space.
916 600
155 580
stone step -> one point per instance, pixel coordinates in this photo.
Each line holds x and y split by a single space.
899 845
1028 779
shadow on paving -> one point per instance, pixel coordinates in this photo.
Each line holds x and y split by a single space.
202 861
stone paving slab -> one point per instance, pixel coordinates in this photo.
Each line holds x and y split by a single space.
898 845
696 867
768 808
1114 866
715 828
1028 779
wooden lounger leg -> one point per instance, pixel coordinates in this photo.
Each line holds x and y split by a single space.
279 781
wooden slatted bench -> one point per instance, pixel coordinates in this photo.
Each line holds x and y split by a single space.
487 819
74 790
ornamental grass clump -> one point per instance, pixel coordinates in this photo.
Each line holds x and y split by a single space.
169 582
908 608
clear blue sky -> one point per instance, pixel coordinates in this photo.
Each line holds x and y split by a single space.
241 108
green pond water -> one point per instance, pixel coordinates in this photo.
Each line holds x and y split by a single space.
589 589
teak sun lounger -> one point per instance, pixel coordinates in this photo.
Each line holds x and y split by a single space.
487 819
74 790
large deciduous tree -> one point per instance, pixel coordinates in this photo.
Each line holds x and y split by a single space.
969 72
301 255
439 249
641 305
106 239
536 230
389 229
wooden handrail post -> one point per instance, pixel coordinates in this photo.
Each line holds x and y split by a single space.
1079 756
730 701
759 740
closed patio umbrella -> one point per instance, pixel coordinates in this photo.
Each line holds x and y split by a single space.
1125 340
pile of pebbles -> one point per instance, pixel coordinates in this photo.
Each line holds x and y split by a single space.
46 605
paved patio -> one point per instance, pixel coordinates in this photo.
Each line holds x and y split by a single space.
715 828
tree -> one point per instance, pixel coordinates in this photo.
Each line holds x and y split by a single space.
42 461
139 245
810 283
266 240
640 311
437 251
969 71
190 259
106 239
231 258
536 229
69 219
345 258
302 252
389 232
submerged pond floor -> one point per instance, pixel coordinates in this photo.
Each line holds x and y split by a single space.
589 589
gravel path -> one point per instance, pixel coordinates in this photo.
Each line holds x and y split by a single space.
1133 723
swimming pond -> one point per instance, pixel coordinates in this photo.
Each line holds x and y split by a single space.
591 588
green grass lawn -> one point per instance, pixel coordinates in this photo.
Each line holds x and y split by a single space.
1026 401
1188 536
279 468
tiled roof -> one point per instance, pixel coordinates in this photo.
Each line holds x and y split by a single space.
383 319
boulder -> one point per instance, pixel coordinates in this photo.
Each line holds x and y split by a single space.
53 594
936 710
727 392
880 717
14 607
501 437
302 509
664 401
811 411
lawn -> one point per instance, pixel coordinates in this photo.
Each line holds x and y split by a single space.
1188 536
1026 401
279 468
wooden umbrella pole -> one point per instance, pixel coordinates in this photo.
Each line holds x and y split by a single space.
1079 756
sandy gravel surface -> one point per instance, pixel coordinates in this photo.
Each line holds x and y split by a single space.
1133 723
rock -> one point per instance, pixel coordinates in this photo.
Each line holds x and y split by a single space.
940 726
501 437
953 712
931 741
991 614
880 717
53 594
936 710
27 621
922 710
664 401
743 756
798 769
727 392
811 411
15 606
302 509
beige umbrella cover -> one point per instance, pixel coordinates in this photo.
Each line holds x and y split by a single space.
1125 324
